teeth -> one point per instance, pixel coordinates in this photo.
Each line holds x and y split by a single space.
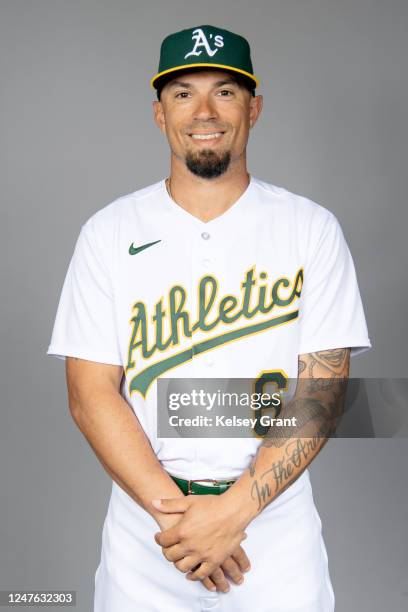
206 136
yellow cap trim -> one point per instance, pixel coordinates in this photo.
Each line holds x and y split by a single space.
248 74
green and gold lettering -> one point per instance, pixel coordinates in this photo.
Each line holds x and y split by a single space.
177 298
212 310
139 335
205 302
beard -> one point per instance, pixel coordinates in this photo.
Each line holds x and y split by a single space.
207 163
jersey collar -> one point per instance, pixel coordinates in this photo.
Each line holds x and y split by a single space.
231 214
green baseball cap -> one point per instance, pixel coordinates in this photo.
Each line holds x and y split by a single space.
204 46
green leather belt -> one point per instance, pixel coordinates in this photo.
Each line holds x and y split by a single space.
195 487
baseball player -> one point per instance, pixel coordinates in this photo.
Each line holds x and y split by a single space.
208 273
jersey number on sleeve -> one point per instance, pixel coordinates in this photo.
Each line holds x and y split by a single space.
279 381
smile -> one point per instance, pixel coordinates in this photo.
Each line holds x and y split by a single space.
206 136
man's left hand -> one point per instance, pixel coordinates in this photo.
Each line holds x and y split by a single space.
209 532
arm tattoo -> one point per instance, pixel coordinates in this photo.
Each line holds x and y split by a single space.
301 366
318 407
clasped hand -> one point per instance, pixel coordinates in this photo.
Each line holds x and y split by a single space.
208 534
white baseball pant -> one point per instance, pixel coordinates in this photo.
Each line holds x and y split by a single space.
289 565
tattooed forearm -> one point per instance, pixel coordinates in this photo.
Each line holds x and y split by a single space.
285 471
314 409
301 366
318 406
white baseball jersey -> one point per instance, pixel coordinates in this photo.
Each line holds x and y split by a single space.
154 289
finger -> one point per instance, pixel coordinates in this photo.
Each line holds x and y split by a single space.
187 564
241 558
209 584
167 538
220 581
205 570
231 567
174 553
176 504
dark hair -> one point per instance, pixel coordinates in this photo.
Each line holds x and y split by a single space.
240 80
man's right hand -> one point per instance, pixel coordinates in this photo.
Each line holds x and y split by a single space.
110 425
234 566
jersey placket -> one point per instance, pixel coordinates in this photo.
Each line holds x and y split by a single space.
206 260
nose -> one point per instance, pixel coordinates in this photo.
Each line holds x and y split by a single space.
205 109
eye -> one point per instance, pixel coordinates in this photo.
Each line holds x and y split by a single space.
226 91
181 93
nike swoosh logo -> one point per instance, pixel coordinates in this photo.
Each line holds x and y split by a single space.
133 250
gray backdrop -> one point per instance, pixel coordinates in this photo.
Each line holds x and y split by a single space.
77 132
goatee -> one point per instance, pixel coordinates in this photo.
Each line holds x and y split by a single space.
207 163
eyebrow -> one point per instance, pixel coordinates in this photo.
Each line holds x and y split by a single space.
217 84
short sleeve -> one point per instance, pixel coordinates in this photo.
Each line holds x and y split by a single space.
331 310
85 321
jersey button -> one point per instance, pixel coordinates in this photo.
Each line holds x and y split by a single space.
205 235
207 263
209 361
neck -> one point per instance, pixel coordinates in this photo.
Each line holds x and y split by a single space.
206 199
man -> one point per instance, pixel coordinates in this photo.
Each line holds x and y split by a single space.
211 273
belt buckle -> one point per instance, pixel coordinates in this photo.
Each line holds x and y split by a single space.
215 482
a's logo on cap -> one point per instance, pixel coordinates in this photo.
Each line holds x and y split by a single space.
201 41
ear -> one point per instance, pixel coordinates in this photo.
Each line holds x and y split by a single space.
158 115
255 108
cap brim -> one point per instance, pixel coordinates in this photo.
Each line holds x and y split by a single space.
165 75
